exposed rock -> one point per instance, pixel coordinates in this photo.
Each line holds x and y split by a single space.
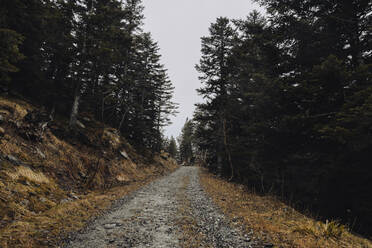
124 154
42 199
110 226
18 124
42 155
86 119
73 196
34 125
12 159
66 200
81 125
82 174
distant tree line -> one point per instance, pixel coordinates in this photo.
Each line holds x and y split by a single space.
288 104
184 151
87 56
171 147
186 141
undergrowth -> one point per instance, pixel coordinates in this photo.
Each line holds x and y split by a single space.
273 221
55 185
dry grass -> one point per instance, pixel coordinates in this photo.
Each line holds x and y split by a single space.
29 175
36 207
190 237
17 108
34 213
45 229
275 222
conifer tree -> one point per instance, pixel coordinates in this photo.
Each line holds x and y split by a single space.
186 142
89 56
216 80
172 148
9 53
296 106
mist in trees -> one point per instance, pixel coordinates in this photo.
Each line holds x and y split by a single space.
88 56
287 100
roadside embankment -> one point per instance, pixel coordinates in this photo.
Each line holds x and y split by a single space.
52 182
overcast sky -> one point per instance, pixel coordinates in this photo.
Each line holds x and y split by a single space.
177 26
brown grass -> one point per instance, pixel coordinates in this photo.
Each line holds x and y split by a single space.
45 229
274 221
29 175
190 237
17 108
37 206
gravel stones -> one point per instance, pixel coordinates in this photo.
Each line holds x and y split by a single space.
148 218
214 226
143 219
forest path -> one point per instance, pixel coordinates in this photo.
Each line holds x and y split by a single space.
173 211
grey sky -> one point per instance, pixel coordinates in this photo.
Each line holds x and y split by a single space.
177 26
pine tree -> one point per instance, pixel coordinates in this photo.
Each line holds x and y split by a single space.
92 55
58 53
9 53
172 148
186 142
297 101
26 18
216 80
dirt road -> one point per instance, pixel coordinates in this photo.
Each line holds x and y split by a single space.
173 211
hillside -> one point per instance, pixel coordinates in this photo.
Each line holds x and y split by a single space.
52 183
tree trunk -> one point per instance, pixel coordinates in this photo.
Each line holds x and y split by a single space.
77 95
122 119
227 149
220 149
75 108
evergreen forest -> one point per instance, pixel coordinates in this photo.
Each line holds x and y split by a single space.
287 105
88 56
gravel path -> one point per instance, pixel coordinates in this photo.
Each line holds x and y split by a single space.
151 216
